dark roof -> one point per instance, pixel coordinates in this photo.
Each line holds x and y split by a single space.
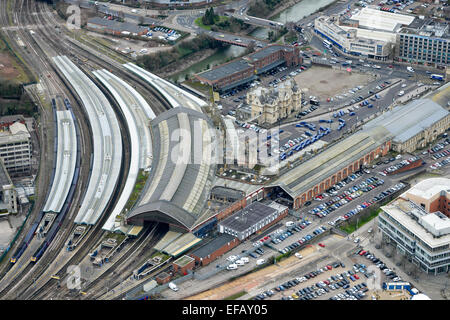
264 52
227 192
247 217
213 245
117 26
225 70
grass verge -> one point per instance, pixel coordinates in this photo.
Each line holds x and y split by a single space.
350 228
236 295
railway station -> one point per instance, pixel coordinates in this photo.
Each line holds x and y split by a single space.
107 142
179 184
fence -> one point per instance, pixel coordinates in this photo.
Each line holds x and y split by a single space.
18 232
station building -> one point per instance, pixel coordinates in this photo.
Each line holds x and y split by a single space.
183 171
251 219
422 236
314 176
244 70
413 125
214 249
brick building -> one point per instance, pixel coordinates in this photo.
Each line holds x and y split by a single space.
214 249
431 195
183 264
163 277
244 70
254 218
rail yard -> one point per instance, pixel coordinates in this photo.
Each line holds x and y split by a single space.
136 196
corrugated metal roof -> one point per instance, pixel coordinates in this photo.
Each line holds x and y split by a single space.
303 177
183 167
406 121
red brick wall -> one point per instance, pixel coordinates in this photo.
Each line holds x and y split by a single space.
410 166
214 255
183 270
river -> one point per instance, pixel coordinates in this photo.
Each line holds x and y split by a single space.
296 12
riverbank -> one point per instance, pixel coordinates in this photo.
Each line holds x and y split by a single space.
183 64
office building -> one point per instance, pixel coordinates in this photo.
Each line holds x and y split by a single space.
15 148
422 236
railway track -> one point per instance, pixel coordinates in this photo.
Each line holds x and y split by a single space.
97 233
47 46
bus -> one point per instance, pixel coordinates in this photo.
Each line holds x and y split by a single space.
437 77
327 44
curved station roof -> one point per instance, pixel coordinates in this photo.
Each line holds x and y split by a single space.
184 149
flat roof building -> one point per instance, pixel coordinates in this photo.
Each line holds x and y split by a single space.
251 219
371 18
348 40
115 27
214 249
15 148
427 43
431 194
421 235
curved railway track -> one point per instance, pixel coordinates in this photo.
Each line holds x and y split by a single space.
157 102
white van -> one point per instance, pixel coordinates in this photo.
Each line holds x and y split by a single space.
245 259
260 262
173 286
239 262
410 69
232 266
289 223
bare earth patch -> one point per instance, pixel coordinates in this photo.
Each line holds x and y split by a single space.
7 69
324 82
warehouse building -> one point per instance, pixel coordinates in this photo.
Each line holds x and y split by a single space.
244 70
15 148
422 236
251 219
413 125
116 28
214 249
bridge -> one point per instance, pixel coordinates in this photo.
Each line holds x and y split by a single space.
259 22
